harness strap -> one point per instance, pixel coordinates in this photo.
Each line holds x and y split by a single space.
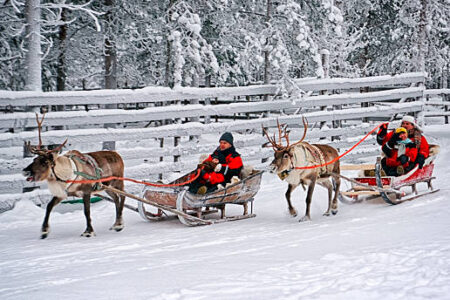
89 160
318 157
323 168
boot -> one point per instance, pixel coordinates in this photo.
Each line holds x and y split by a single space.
202 190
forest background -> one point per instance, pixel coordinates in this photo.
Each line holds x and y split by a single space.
82 45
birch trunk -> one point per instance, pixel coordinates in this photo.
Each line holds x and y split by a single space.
61 69
422 36
110 49
266 51
33 79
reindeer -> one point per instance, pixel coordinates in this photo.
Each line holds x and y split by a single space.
73 165
302 154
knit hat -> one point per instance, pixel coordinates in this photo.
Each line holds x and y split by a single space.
400 130
227 137
411 120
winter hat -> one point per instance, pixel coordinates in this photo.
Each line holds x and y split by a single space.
227 137
400 130
411 120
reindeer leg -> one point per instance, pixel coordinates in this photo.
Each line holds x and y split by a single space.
45 230
337 185
327 184
292 210
118 224
87 213
307 215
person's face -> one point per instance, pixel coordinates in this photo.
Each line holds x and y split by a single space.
407 125
403 136
224 145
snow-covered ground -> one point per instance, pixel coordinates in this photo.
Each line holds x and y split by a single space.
367 251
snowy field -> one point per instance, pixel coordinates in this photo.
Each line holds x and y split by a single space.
367 251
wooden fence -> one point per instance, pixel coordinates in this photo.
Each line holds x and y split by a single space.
159 130
437 103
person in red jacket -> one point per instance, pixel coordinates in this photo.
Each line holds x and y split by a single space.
402 155
228 163
389 140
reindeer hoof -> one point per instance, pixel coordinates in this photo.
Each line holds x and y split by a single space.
44 233
326 214
116 227
334 212
304 219
293 212
88 234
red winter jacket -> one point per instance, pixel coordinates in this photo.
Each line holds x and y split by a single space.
410 152
231 166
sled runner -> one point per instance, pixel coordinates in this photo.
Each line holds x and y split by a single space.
373 184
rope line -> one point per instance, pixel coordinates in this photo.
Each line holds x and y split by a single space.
135 181
342 155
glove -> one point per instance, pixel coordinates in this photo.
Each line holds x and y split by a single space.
382 133
420 160
394 139
383 129
387 150
218 168
403 159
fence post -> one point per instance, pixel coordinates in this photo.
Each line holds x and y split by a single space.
161 158
109 145
263 160
446 107
176 142
325 58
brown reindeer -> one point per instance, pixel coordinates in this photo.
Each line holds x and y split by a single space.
73 165
302 154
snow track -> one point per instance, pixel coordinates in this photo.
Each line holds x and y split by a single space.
367 251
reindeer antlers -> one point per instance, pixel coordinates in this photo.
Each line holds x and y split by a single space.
37 149
284 133
39 129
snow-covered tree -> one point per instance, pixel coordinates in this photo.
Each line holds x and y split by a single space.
192 56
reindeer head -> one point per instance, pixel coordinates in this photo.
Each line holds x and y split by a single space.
282 161
40 168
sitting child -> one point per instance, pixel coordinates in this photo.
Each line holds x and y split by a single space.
401 154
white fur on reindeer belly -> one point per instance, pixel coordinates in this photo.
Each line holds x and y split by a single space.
295 177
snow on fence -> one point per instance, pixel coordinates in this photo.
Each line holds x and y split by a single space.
158 130
437 103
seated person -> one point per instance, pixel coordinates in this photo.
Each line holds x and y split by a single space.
219 167
401 154
414 134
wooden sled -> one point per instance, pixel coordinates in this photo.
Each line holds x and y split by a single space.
191 208
373 184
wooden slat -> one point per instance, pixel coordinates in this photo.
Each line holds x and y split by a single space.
358 167
359 193
79 118
165 94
